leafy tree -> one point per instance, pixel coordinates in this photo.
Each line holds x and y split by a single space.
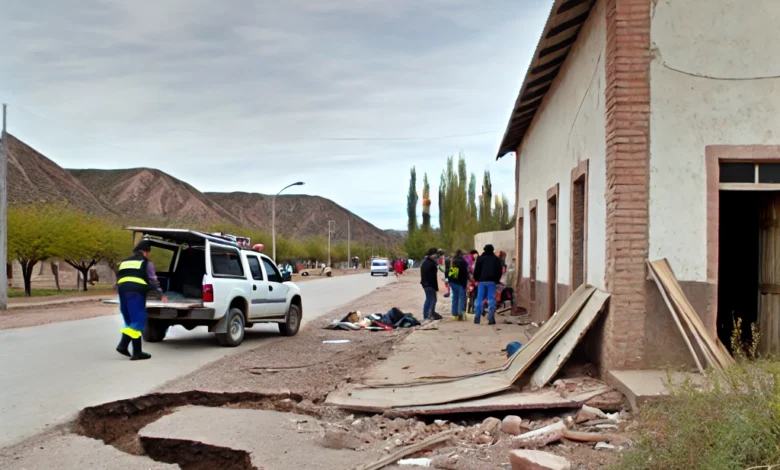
34 235
411 201
119 245
418 244
473 197
486 201
86 242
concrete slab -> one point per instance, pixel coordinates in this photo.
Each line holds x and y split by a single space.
276 441
455 348
72 452
648 386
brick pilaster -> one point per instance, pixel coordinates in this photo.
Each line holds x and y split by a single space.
628 180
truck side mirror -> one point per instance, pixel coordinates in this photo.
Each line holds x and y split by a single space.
286 277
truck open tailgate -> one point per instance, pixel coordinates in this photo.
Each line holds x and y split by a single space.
184 304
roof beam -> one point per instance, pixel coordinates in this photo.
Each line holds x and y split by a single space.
572 23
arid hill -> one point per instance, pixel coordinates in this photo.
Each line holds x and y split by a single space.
300 216
144 195
33 178
152 195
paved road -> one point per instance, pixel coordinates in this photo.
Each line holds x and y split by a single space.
50 372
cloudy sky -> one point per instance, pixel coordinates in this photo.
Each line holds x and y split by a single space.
250 95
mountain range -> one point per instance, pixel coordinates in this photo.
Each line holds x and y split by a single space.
153 196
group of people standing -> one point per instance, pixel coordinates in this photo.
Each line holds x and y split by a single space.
485 269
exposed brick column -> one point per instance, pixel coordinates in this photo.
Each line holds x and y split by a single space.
628 180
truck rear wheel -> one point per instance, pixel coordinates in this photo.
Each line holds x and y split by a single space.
235 329
155 330
292 323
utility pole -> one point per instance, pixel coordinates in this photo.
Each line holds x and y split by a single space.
3 216
330 232
349 239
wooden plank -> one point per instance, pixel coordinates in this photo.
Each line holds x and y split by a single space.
675 317
378 399
545 399
406 451
667 279
749 187
522 360
688 313
563 348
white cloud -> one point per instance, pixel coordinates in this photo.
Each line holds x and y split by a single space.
248 95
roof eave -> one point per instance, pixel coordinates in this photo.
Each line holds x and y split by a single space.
559 36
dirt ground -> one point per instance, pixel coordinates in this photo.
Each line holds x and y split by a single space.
34 316
296 374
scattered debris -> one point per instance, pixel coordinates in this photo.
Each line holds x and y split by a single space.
513 425
540 437
409 450
588 413
593 437
537 460
604 446
422 462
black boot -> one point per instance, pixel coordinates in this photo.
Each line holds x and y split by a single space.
138 354
123 344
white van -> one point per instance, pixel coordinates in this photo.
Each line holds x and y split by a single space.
380 266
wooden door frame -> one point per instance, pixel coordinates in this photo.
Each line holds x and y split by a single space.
552 255
533 245
715 155
518 251
580 172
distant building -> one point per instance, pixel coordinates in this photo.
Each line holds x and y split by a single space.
651 129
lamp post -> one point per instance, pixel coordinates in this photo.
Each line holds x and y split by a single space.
273 214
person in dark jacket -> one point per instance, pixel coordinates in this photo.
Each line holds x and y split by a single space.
487 271
458 277
430 283
136 278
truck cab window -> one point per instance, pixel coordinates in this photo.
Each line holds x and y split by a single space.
226 262
273 272
254 266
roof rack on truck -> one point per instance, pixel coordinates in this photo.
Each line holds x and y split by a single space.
192 236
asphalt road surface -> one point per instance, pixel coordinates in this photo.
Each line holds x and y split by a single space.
50 372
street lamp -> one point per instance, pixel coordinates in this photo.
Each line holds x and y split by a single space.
273 214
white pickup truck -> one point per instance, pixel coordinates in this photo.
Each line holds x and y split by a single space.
214 281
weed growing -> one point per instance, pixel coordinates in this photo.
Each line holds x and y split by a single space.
732 424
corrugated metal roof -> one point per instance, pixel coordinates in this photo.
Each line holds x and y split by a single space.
560 33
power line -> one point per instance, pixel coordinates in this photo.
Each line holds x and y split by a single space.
407 138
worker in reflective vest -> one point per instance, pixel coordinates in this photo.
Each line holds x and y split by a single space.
136 278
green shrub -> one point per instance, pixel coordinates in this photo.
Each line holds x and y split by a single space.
733 424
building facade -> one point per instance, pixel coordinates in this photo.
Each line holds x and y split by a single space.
644 130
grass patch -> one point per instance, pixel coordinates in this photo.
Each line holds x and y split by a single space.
732 425
19 293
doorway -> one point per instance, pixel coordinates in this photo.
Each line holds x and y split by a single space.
532 247
738 260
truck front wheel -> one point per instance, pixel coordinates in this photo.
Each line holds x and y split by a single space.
292 323
235 329
155 330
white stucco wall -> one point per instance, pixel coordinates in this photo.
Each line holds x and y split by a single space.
569 128
734 45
